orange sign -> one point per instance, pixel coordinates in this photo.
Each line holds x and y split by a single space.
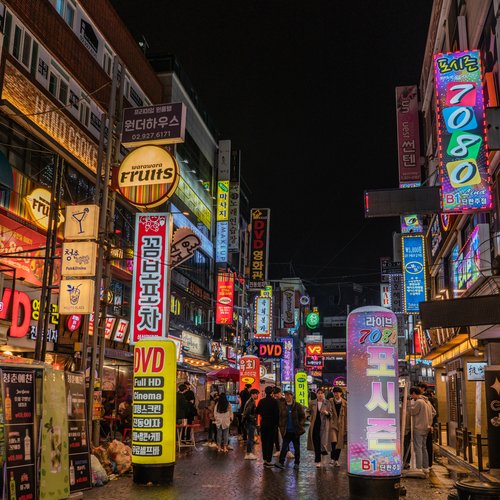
250 372
314 349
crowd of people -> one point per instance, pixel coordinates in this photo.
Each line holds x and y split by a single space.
276 421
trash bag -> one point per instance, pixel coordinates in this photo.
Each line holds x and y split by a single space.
121 455
99 476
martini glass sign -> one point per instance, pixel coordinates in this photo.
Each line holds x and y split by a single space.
79 217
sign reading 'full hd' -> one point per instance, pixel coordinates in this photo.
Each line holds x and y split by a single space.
414 273
463 150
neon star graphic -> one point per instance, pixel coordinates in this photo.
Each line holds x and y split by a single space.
496 386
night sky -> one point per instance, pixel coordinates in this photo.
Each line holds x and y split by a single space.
306 90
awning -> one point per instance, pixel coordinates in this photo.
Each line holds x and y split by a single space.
6 177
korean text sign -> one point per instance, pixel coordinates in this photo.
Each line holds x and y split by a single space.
263 315
259 246
225 299
154 402
250 372
463 150
287 360
414 273
374 446
301 389
149 291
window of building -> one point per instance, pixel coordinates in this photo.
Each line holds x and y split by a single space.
85 109
34 58
107 62
126 90
26 50
7 30
66 10
16 46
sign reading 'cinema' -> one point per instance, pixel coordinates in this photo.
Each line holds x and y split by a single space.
148 176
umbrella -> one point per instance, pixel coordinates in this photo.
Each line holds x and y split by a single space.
227 373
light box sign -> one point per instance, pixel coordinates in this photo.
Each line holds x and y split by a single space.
154 402
287 360
259 247
374 445
301 389
463 150
263 316
288 308
385 295
225 299
473 261
414 286
149 291
250 372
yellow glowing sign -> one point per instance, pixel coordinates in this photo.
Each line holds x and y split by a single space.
154 402
38 203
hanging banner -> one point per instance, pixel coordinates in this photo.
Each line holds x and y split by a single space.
301 389
463 148
287 360
263 316
225 299
288 308
222 216
153 410
250 372
415 286
150 277
18 389
408 134
78 442
54 470
259 247
374 445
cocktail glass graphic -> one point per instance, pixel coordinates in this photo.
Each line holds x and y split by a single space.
79 217
74 294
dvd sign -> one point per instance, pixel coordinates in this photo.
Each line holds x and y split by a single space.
270 350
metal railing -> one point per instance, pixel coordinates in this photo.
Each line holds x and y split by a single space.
465 442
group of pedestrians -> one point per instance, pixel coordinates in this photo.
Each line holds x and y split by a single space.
282 423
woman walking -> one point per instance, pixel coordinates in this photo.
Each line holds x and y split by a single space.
338 423
318 438
223 416
212 429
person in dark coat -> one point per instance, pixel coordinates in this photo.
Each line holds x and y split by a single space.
268 410
182 407
244 397
291 425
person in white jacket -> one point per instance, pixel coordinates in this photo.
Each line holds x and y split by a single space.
223 416
421 414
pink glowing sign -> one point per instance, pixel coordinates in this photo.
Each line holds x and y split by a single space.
463 150
374 446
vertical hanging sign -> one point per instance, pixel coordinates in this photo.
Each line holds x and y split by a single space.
250 372
263 315
225 299
374 445
221 243
259 247
463 148
301 389
150 278
415 286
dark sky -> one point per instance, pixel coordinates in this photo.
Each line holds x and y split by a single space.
306 90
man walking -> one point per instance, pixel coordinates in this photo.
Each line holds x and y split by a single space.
249 421
291 424
432 401
268 410
421 414
338 423
278 395
244 397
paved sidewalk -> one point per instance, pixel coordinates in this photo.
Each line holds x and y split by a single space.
211 475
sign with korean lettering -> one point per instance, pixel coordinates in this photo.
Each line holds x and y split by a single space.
121 330
222 217
250 372
415 286
82 222
374 445
263 316
259 247
288 308
147 177
156 124
287 360
79 258
316 362
154 402
18 388
385 295
149 291
78 441
234 217
408 133
463 148
225 299
301 389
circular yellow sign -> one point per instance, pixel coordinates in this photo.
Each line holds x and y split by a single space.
148 176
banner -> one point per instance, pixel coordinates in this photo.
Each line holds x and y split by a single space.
415 286
150 278
263 316
259 247
19 416
54 473
408 134
463 148
374 445
225 299
80 473
287 360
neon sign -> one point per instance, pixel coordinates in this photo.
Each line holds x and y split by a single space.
301 389
413 273
374 446
463 150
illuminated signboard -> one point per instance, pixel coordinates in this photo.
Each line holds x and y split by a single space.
270 350
408 134
288 308
385 295
149 291
414 287
411 224
374 445
259 247
263 315
475 371
250 372
181 220
312 320
314 349
473 261
76 296
301 389
463 150
222 217
148 176
38 202
154 405
225 299
287 360
184 245
121 330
